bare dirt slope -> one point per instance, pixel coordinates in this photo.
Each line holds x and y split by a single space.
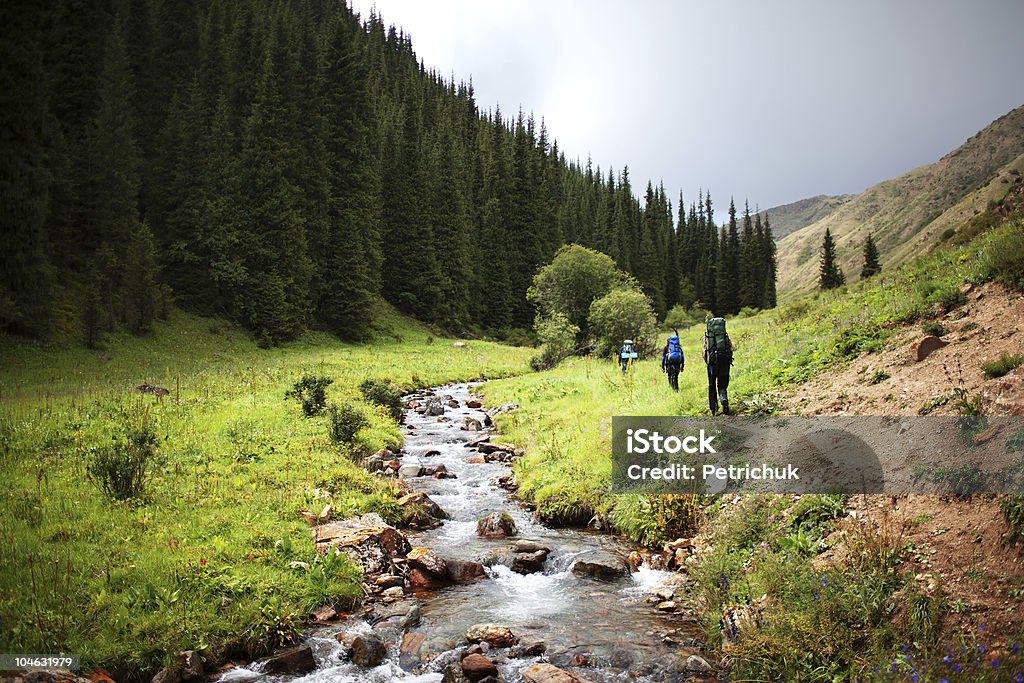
954 545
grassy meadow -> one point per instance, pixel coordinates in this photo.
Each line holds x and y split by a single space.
214 555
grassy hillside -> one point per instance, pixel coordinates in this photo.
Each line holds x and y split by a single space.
214 554
566 413
827 587
900 212
788 218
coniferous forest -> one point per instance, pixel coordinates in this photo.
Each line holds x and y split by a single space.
285 163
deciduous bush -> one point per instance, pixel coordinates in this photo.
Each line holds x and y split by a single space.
311 392
558 341
122 469
383 393
345 422
622 314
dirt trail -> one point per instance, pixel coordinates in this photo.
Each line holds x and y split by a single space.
958 542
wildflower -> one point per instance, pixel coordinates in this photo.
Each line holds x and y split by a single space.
943 680
1015 649
914 678
946 660
981 648
995 663
1019 678
202 561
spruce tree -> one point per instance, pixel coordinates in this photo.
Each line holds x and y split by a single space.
830 275
871 264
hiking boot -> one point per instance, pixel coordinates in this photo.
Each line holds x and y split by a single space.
725 408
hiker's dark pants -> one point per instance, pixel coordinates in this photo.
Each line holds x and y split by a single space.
672 367
718 385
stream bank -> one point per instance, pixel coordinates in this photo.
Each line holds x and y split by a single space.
543 600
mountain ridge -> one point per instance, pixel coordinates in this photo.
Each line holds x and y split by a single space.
907 215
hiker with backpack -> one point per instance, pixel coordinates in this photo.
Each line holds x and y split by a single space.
672 360
627 354
718 356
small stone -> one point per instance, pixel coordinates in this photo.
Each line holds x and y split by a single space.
411 618
698 664
294 660
474 404
477 667
922 349
427 560
492 634
667 606
325 613
496 525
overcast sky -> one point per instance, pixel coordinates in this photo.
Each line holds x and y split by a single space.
771 101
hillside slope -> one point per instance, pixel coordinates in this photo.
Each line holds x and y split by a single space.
788 218
904 213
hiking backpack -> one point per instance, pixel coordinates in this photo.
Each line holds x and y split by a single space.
717 340
675 351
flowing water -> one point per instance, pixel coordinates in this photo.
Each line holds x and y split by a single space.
609 629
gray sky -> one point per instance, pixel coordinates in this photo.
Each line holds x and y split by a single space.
771 101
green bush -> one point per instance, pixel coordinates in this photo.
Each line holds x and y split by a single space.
558 341
622 314
933 327
947 298
311 392
122 469
1004 364
383 393
345 422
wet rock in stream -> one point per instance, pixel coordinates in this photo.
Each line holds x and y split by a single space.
601 564
496 525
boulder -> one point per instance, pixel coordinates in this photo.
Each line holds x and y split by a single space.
470 424
601 564
922 349
294 660
502 409
420 511
192 665
477 667
410 471
534 649
474 404
549 673
498 446
411 643
368 650
452 403
367 540
464 571
484 438
496 525
425 580
427 560
434 471
1004 396
492 634
434 407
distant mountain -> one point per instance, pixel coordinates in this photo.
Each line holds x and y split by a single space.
909 214
789 218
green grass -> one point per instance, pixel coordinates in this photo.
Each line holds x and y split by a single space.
214 555
1002 365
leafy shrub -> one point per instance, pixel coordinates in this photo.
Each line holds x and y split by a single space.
383 393
947 298
879 376
558 341
622 314
812 512
345 422
311 391
122 469
1004 364
933 327
963 480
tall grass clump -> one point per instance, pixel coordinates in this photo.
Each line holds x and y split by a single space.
122 468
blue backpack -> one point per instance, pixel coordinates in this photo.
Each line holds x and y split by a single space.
675 351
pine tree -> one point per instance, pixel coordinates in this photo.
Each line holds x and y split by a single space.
830 274
770 265
871 264
727 283
125 285
25 180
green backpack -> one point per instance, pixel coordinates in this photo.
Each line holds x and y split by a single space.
717 344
